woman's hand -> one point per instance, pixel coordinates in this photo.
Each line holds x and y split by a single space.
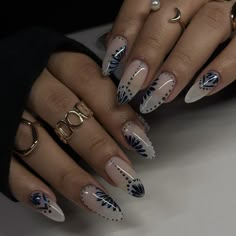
56 98
144 39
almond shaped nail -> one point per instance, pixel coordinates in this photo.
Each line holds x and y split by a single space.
203 87
132 81
124 177
99 202
46 206
158 92
115 53
138 140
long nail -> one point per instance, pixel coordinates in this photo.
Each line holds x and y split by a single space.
100 203
124 177
115 52
203 87
158 92
138 140
132 81
45 205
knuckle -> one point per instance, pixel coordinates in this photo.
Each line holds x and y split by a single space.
86 67
59 101
152 41
67 181
213 15
182 59
98 144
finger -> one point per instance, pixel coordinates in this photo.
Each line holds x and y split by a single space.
60 171
153 43
89 140
31 191
125 29
219 73
82 76
191 52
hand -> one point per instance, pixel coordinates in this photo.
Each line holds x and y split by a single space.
145 39
68 78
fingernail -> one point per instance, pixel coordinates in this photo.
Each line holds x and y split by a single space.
124 177
46 206
115 52
100 203
132 81
144 123
138 140
203 87
158 92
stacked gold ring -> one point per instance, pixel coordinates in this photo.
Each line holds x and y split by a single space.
65 128
35 139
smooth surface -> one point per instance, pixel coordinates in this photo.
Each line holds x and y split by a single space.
190 187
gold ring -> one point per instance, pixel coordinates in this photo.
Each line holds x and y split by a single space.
233 17
155 5
73 119
177 18
33 126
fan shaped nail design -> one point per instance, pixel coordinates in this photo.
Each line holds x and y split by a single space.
203 87
138 140
99 202
124 177
114 55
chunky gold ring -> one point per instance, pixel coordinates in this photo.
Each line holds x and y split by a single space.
73 119
35 139
177 18
155 5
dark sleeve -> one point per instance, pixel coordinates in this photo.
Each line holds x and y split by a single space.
23 56
67 17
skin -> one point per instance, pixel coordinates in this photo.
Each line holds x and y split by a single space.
68 77
151 38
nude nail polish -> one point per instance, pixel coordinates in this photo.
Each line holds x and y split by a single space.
203 87
132 81
144 123
46 206
138 140
124 177
99 202
115 53
158 92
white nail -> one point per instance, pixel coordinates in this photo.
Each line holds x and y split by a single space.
124 177
46 206
97 201
138 140
115 53
158 92
132 81
203 87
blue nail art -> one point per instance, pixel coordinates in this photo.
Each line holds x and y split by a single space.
106 200
136 144
136 188
40 201
209 80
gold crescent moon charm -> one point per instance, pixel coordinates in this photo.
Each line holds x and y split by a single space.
177 18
